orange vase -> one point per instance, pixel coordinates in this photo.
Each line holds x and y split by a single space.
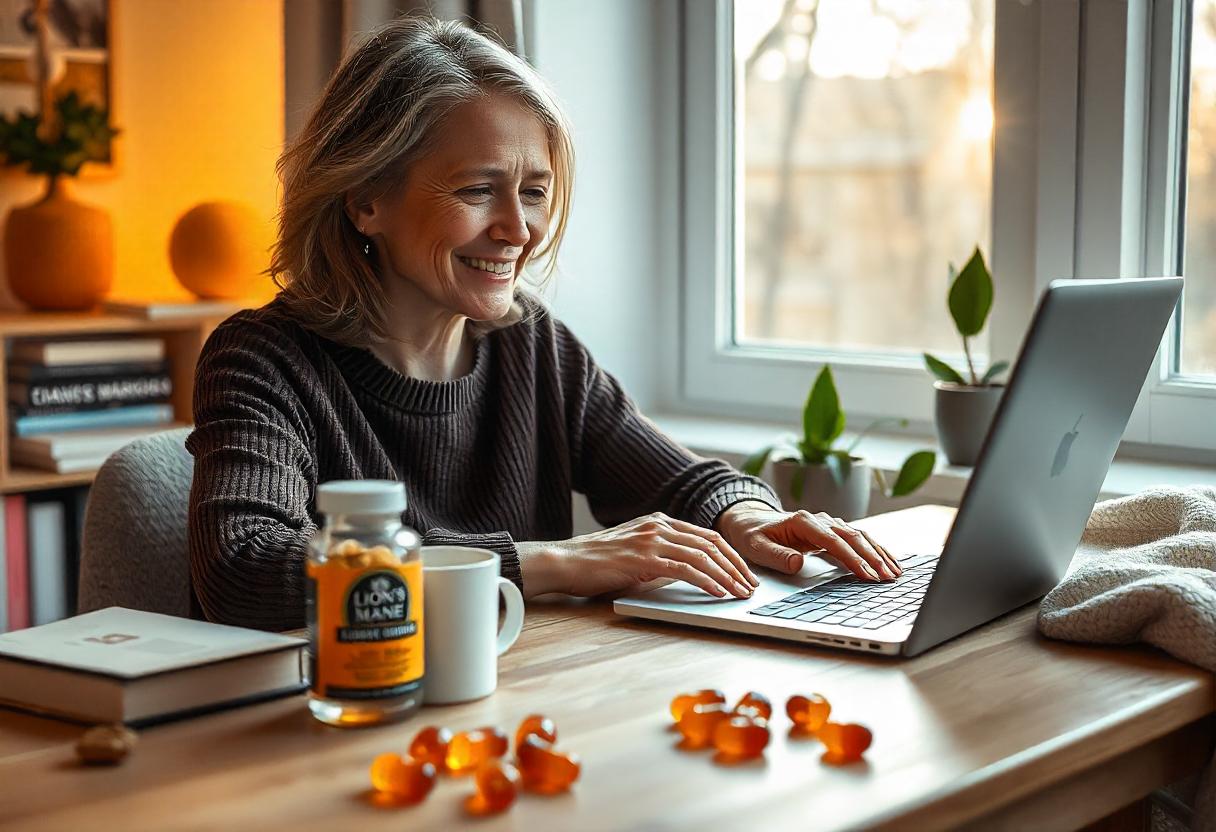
58 252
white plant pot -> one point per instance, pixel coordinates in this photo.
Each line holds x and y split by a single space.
849 500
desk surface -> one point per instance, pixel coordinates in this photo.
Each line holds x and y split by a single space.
1000 728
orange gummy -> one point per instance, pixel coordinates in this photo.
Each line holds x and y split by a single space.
406 780
808 713
698 722
545 770
845 742
686 700
431 745
754 705
741 736
497 784
536 724
469 749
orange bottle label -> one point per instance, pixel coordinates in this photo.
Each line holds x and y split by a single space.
365 629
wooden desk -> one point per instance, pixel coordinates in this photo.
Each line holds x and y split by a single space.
999 729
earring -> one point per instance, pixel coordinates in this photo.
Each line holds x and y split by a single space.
367 243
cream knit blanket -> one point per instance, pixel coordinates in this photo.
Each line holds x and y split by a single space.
1146 571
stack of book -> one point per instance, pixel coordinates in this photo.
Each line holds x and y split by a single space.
73 403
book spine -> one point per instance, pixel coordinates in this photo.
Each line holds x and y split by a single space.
26 372
4 626
80 394
16 562
45 526
89 352
65 465
78 501
114 417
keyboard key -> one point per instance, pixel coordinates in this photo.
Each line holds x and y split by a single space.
767 609
816 615
793 611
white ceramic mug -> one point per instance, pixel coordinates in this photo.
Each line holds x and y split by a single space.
460 592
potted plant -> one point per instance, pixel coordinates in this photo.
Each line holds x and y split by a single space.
59 252
964 405
814 473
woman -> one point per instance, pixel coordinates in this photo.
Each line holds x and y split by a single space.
403 346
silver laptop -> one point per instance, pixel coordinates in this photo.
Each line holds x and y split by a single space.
1080 370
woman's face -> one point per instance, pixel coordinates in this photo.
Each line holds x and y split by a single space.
468 214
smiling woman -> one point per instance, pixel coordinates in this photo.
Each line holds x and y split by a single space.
404 346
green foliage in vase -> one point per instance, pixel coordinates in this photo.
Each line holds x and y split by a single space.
970 301
84 136
823 421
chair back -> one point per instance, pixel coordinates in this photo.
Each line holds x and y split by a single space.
134 550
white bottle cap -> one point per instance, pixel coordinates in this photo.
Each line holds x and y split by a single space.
361 497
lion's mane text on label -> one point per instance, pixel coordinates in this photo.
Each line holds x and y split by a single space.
377 609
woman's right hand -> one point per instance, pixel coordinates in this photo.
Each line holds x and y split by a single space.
636 555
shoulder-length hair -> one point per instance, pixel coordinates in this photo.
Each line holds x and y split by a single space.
377 115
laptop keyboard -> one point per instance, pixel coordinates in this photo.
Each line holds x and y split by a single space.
850 602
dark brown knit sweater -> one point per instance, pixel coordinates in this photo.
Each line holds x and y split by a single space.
486 459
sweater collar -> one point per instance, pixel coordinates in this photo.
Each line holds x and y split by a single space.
363 369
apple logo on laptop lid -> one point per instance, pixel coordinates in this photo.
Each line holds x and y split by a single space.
1061 459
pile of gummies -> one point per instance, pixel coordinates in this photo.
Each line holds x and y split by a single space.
742 732
538 767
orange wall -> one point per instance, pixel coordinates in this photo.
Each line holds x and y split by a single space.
198 95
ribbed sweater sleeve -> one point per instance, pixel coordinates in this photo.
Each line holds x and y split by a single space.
627 467
500 543
254 479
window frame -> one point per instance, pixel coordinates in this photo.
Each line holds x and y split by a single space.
1172 410
1081 97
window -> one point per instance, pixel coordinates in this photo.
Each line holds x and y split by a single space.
838 154
1196 352
864 166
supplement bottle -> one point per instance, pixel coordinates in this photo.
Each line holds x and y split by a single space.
364 603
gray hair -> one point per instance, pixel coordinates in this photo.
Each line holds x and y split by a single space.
378 114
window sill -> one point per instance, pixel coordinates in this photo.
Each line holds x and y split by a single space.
734 440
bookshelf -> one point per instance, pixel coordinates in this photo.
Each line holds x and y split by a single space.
183 336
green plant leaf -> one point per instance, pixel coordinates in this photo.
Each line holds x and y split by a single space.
995 370
839 465
903 423
84 136
912 475
811 455
796 483
755 463
822 418
942 370
970 298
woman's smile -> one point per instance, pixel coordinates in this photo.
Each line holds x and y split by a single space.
494 269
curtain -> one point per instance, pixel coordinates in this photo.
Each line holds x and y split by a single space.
316 32
504 17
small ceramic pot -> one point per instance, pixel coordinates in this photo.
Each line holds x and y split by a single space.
820 491
58 251
963 415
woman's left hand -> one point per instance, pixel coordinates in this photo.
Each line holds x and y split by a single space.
780 540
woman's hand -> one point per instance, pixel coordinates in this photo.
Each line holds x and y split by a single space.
780 541
636 554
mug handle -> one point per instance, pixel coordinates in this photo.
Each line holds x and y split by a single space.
513 621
